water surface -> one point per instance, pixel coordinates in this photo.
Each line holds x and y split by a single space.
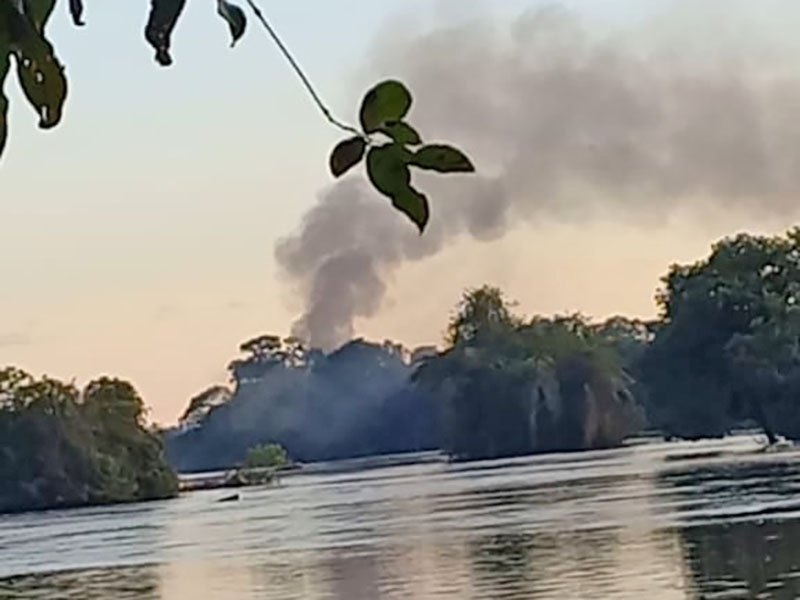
655 521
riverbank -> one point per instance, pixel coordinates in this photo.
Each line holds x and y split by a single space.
192 482
236 478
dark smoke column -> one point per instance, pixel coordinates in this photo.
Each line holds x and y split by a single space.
561 127
346 246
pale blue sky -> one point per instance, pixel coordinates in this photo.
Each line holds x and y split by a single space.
136 238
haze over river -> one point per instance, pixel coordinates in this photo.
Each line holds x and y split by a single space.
652 520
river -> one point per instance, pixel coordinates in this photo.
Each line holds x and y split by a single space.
659 521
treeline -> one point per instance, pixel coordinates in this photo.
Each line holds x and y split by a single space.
723 353
356 401
64 447
726 350
503 386
509 386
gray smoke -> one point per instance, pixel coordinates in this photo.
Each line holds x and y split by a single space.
562 126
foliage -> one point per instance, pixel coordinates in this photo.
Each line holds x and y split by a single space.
41 76
355 401
266 456
201 404
481 311
727 349
389 165
510 386
63 447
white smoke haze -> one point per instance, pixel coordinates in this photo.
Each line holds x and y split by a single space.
563 127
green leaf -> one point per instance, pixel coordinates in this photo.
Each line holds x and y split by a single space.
442 158
38 12
387 168
346 155
76 10
158 31
40 74
387 102
235 18
414 205
402 133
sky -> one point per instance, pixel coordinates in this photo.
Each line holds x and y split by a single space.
136 239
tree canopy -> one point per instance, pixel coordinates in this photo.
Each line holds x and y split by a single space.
61 447
266 456
511 386
355 401
727 349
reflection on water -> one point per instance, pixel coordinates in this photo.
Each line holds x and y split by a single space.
751 549
745 560
655 521
126 583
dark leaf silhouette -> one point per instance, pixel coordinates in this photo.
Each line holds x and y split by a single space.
76 10
158 31
4 66
36 11
442 158
387 168
414 205
387 102
382 110
402 133
346 155
235 18
40 74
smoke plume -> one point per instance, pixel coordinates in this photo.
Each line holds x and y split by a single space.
562 126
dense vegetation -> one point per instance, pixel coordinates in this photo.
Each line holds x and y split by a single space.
503 387
724 353
355 401
510 386
266 456
727 348
61 447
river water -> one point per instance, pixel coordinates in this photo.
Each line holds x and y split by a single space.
652 520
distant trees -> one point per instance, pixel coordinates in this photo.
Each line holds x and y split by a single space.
356 401
266 456
503 386
727 348
265 352
63 447
725 352
510 386
203 403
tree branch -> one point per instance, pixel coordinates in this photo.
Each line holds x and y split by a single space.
299 71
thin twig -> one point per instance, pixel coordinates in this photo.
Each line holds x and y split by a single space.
317 100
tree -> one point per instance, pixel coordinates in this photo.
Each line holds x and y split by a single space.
482 312
381 117
61 447
726 350
203 403
509 386
265 352
266 456
355 401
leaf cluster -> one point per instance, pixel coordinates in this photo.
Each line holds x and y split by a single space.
383 110
382 115
41 75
